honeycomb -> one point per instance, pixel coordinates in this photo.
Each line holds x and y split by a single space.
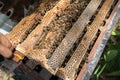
59 34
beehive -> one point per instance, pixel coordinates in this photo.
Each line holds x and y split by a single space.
60 34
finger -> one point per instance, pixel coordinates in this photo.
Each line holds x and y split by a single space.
4 41
11 48
5 51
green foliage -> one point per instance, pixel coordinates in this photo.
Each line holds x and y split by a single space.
115 33
118 25
110 55
114 46
109 64
116 73
112 61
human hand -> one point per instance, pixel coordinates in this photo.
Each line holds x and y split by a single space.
5 47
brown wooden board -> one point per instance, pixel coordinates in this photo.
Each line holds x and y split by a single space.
37 34
48 35
59 55
74 62
98 48
27 24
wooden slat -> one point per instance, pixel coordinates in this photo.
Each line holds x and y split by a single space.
59 27
26 24
36 34
75 7
60 53
75 60
100 43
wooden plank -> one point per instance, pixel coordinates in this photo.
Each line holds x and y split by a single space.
20 31
60 53
97 49
65 21
75 60
36 34
59 27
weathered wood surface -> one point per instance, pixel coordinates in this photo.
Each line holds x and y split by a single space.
24 27
77 57
35 36
26 35
60 53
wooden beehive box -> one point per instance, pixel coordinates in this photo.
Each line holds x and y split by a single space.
61 34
